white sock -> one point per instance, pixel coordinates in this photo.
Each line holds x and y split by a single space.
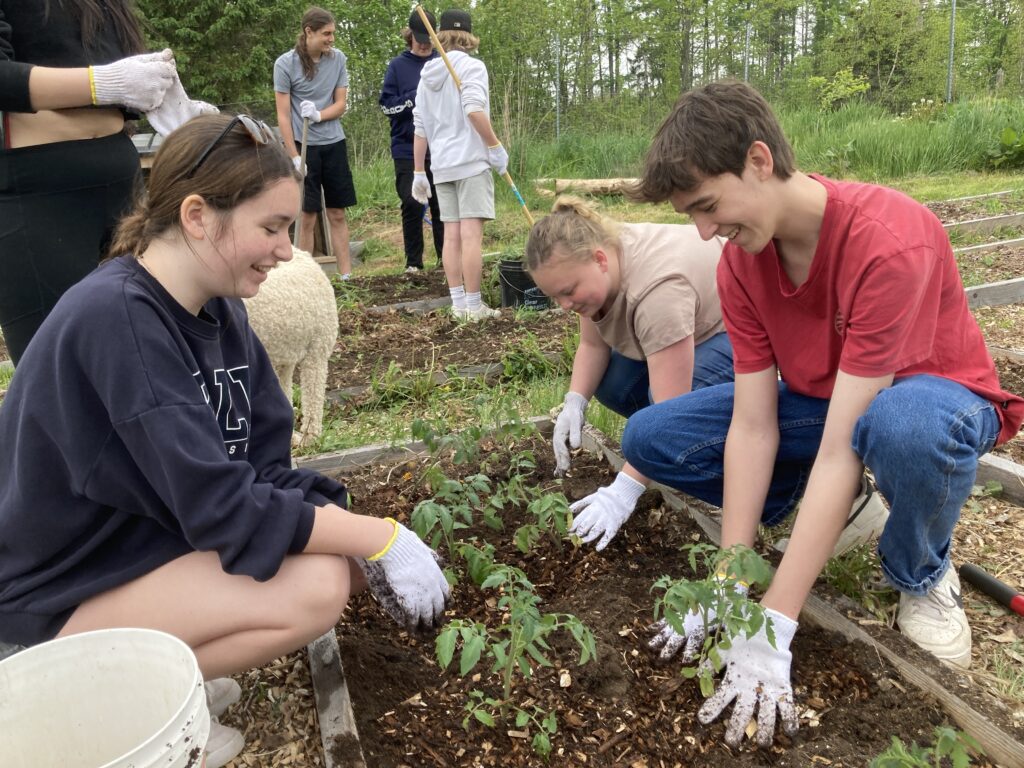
473 300
458 294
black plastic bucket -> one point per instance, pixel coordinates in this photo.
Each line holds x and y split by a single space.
518 288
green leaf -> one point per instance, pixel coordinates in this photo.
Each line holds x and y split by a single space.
471 650
522 718
444 648
484 717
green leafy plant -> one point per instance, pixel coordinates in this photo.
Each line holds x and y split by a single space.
733 612
394 386
551 512
1009 151
526 361
464 445
843 86
452 508
513 647
950 744
479 559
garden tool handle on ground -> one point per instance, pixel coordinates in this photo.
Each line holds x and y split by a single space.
302 165
999 591
458 84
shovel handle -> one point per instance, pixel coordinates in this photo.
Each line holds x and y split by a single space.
999 591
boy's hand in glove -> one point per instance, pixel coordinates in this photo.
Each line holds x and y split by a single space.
420 187
756 674
601 514
177 109
498 158
668 642
137 82
568 427
309 111
406 580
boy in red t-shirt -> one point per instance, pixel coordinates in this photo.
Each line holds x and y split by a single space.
851 294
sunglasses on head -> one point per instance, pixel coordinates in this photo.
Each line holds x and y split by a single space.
258 131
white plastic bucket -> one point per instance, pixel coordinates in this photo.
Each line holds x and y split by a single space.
115 698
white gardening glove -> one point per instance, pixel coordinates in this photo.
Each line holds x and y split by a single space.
297 162
668 642
177 109
498 158
756 674
309 111
601 514
137 82
420 187
407 581
568 426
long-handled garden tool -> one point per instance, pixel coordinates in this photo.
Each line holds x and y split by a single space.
999 591
458 84
302 166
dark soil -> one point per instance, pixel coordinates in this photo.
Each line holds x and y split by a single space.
1002 263
980 208
381 290
433 342
623 708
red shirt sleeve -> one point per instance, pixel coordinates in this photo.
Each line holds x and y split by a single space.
751 347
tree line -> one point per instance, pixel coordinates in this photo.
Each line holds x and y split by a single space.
574 63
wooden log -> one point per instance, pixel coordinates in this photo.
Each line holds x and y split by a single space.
996 294
338 732
1009 474
590 186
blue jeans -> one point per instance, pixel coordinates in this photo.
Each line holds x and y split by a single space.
626 386
921 438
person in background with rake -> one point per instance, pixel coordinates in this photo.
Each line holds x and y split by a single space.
397 99
452 118
311 84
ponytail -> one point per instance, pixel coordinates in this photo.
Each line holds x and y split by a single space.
574 229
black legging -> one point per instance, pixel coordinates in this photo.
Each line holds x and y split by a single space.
412 215
59 204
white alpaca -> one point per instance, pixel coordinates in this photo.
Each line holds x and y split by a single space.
296 317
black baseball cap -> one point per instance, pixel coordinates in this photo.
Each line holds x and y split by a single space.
419 29
456 19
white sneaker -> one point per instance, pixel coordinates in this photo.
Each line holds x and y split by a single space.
937 621
460 313
223 746
867 519
347 276
483 312
412 270
221 693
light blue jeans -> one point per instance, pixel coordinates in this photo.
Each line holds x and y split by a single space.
922 438
626 386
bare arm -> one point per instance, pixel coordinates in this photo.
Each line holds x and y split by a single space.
482 125
750 449
337 109
419 153
671 370
831 489
337 531
283 102
590 361
59 88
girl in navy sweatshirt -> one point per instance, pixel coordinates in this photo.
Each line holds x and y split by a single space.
146 479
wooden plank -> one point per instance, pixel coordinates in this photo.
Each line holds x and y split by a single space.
988 224
1008 474
418 307
1016 242
1003 353
973 197
338 731
998 745
996 294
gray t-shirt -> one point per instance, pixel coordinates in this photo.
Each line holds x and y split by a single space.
330 74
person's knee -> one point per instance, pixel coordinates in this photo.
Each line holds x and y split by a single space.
336 215
321 585
639 436
891 429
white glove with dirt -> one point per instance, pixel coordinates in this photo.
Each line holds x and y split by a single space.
601 514
568 427
177 109
668 642
309 111
756 674
137 82
407 581
420 187
498 158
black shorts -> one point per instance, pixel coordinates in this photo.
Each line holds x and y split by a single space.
327 166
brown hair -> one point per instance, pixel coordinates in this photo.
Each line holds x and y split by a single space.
235 170
458 40
314 18
407 36
92 14
573 229
708 133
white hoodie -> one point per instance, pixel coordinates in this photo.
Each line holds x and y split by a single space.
456 149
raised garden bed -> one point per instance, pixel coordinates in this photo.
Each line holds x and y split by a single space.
622 709
992 262
977 206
